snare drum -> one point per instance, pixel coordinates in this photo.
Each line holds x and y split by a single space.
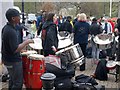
74 53
36 69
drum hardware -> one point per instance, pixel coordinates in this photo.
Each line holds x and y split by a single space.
41 67
78 60
30 66
30 73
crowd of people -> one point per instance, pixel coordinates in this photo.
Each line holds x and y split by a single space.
49 26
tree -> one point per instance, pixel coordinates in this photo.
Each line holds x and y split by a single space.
48 7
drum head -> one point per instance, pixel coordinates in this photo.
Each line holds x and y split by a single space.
36 57
37 43
28 52
111 64
64 43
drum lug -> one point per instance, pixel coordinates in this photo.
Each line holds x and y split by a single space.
40 67
30 67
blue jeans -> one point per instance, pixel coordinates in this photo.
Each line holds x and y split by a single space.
15 71
95 51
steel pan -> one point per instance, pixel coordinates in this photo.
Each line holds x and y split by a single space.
37 44
103 41
111 64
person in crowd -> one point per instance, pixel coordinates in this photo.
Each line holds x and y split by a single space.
60 20
89 20
95 29
66 26
81 32
49 36
40 21
76 19
112 24
117 32
11 49
107 27
55 20
33 27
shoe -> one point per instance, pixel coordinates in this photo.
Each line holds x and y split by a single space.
5 78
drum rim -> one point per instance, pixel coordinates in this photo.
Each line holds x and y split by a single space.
113 62
36 58
26 52
66 49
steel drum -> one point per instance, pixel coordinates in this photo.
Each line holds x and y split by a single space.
111 65
103 41
63 34
37 44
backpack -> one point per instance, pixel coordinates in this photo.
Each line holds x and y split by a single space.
84 82
85 79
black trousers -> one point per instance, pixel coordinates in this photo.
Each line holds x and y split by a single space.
48 52
83 48
118 52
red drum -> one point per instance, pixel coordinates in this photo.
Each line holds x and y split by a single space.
36 69
26 63
25 59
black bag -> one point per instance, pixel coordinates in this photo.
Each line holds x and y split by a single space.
63 83
83 86
85 79
69 72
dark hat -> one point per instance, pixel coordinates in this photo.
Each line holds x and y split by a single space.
94 20
12 13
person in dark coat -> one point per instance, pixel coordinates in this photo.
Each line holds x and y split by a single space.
11 48
95 29
81 32
66 26
49 36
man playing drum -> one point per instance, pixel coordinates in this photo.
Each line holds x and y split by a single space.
11 50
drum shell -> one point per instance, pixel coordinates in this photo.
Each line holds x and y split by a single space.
36 69
26 63
25 59
37 64
34 80
72 53
103 46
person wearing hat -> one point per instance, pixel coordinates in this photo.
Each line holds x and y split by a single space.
11 50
